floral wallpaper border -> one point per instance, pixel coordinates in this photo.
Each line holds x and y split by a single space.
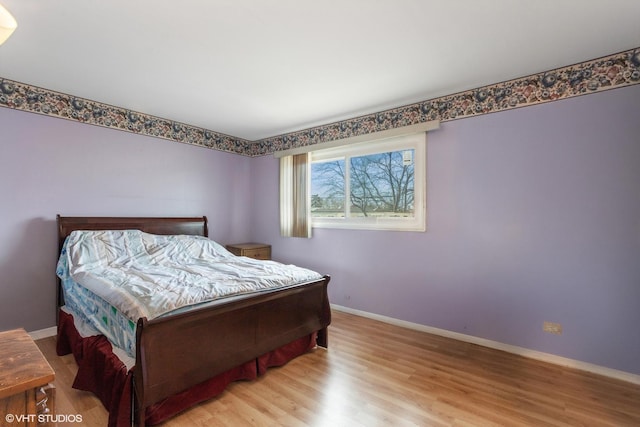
609 72
33 99
613 71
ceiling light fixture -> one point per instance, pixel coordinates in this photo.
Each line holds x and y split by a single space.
7 24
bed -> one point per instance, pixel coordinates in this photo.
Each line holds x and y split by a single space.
227 341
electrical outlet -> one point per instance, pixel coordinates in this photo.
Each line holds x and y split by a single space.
552 328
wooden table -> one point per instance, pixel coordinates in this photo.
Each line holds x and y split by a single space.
26 398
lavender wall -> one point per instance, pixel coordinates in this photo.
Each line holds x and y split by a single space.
50 166
533 215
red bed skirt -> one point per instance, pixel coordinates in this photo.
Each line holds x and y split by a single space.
102 373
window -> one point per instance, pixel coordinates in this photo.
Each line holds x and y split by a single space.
374 185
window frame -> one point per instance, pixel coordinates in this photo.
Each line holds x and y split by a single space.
416 142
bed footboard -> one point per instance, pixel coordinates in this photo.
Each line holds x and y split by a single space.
178 352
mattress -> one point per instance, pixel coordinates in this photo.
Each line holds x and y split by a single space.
86 329
94 316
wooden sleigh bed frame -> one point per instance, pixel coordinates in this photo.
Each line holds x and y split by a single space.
177 352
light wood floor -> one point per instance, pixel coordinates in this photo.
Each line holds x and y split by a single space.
375 374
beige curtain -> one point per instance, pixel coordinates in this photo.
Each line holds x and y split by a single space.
294 196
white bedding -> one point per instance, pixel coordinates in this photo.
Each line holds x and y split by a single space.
146 275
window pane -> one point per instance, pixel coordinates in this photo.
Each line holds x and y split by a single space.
373 185
382 185
327 189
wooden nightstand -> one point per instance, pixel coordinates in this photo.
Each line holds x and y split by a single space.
252 250
25 393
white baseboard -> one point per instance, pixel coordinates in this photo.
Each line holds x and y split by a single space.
44 333
521 351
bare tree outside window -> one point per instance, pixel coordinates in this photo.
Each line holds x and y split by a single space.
380 185
327 189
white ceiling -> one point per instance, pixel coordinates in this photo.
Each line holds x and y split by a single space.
254 68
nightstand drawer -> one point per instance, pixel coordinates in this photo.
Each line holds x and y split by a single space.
251 250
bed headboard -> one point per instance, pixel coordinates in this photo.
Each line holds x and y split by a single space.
154 225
